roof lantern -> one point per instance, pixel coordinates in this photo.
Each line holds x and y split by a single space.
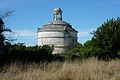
57 12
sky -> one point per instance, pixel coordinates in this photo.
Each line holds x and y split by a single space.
29 15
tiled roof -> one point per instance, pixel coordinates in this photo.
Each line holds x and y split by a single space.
57 26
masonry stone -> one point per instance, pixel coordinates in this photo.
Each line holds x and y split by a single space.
58 33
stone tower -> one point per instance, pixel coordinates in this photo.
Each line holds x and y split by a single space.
58 33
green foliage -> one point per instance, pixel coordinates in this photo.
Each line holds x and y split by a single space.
107 39
19 52
47 49
88 49
105 43
1 35
17 49
3 29
74 53
20 48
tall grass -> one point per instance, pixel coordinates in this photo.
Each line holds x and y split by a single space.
90 69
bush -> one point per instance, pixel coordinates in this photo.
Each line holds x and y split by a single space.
107 39
21 53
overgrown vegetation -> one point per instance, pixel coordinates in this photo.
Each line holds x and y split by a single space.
26 55
89 69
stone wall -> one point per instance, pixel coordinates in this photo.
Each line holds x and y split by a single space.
61 40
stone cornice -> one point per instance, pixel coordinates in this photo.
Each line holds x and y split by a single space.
57 37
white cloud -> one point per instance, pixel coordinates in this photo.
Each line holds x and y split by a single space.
85 32
24 33
82 34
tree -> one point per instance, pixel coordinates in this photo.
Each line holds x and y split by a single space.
74 53
1 35
3 29
88 49
107 39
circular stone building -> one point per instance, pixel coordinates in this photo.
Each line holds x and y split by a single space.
58 33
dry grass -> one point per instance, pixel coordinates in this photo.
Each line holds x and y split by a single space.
90 69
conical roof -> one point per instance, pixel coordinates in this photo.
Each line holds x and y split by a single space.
57 24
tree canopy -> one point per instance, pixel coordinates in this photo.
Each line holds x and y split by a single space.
107 38
3 29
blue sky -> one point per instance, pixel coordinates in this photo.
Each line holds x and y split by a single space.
84 15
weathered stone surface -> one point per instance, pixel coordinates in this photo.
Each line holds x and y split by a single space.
58 33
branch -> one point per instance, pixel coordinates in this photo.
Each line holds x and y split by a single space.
8 30
6 14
